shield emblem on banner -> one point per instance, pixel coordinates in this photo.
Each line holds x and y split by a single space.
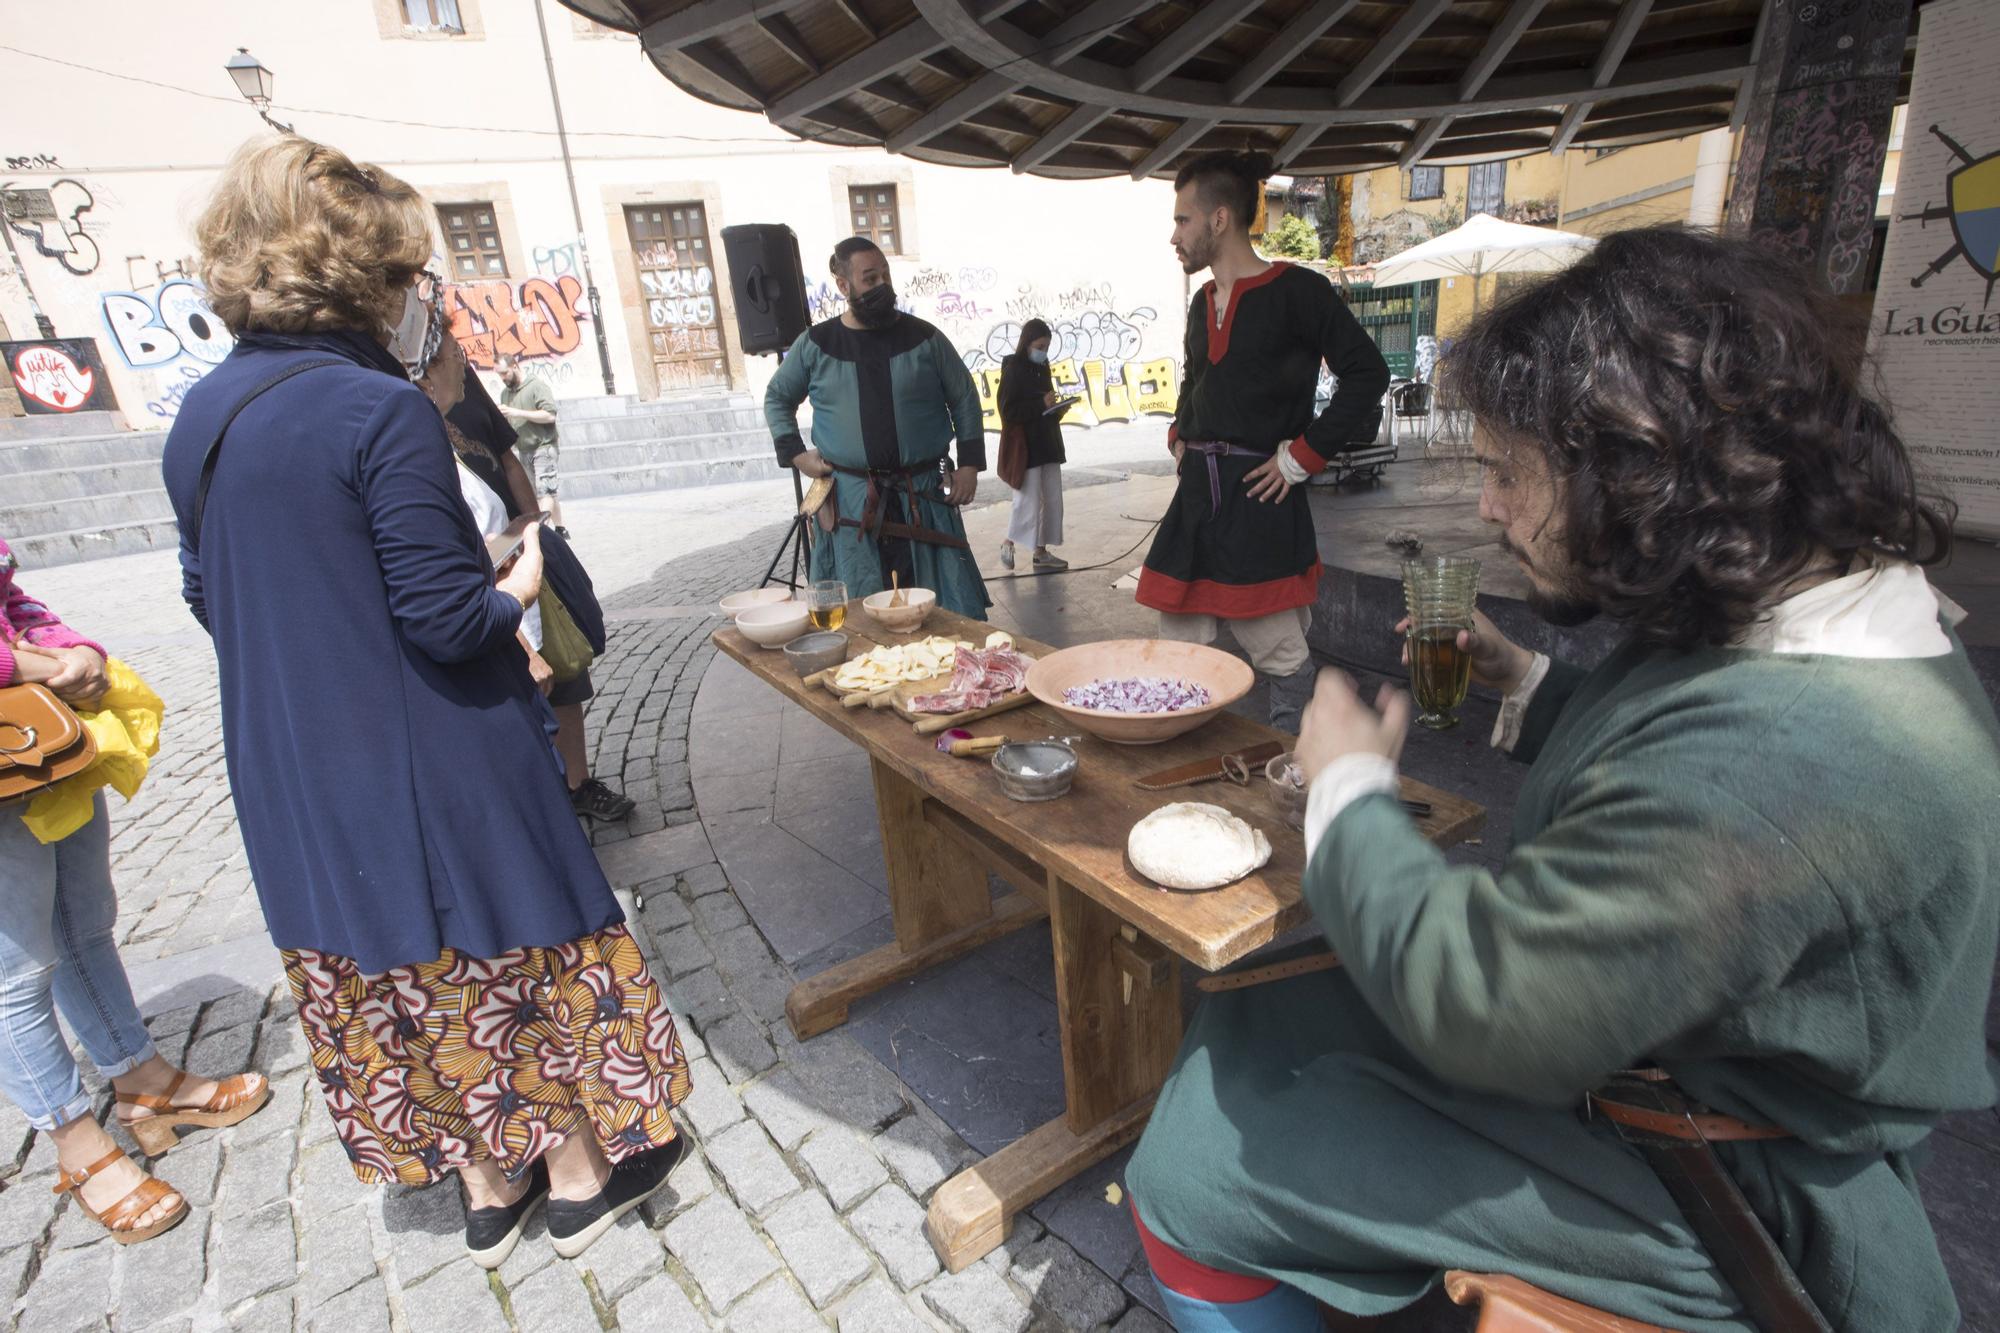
1974 191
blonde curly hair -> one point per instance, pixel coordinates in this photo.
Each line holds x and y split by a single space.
299 237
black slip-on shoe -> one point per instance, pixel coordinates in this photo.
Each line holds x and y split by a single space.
593 800
492 1233
575 1225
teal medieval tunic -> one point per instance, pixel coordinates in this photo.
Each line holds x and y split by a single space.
1773 874
887 405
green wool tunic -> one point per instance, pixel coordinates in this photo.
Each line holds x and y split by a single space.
1777 875
884 400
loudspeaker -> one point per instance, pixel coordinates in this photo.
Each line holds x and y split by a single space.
769 285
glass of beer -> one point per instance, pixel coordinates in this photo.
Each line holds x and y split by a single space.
1439 592
826 604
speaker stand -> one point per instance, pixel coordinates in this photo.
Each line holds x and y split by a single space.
798 538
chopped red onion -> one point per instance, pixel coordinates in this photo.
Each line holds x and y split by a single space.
1137 694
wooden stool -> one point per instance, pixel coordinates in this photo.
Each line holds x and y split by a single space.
1509 1305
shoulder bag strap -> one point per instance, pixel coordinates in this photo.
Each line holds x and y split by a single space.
209 455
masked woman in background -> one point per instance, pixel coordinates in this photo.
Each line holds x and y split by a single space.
469 994
1027 392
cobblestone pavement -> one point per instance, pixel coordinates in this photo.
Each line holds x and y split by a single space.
802 1209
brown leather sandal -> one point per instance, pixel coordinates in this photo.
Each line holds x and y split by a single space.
119 1218
237 1097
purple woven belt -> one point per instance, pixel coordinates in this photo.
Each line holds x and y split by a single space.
1217 449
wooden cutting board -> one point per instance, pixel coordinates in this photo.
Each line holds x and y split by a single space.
897 697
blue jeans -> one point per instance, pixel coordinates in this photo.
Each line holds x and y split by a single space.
57 913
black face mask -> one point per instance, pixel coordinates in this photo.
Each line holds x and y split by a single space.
876 307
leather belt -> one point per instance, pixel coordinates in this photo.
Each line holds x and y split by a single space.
872 521
1693 1126
1215 449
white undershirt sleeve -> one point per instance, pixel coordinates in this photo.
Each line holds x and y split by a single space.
1290 468
1514 708
1339 785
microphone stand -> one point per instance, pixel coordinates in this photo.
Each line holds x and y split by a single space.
798 537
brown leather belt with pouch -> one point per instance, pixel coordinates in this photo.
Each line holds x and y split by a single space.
872 521
1676 1136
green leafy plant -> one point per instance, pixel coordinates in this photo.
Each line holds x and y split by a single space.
1293 238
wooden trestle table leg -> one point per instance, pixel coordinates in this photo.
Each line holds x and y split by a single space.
938 898
1119 998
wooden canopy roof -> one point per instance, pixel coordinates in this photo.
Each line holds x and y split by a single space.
1083 88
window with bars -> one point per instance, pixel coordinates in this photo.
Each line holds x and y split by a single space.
472 241
433 15
1426 183
1486 188
872 209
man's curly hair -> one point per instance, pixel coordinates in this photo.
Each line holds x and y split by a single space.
1699 402
298 237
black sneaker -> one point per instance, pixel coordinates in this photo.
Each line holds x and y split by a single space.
593 800
492 1233
574 1225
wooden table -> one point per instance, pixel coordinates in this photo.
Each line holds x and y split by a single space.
1118 939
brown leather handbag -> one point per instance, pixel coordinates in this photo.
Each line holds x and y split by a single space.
41 741
1012 466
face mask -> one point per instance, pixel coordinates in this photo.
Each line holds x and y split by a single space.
409 336
874 307
1039 355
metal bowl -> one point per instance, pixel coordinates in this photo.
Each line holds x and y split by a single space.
817 651
1035 770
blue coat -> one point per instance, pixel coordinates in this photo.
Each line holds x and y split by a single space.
391 760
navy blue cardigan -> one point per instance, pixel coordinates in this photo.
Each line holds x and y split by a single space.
393 764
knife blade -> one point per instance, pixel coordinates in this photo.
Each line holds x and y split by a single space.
1208 770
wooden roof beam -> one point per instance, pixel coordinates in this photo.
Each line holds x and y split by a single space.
722 66
1423 140
1064 134
1623 29
1572 121
1074 35
1498 43
786 34
1747 85
1300 139
1390 45
968 101
1172 146
913 41
1208 22
1281 50
705 19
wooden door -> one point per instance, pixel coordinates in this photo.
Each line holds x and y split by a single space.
677 281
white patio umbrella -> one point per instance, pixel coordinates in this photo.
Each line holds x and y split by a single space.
1484 245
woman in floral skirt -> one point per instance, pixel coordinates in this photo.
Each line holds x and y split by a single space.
470 996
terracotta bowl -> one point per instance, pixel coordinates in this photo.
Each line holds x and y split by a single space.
1226 679
918 603
773 625
743 601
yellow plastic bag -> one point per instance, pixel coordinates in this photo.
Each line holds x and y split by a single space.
126 728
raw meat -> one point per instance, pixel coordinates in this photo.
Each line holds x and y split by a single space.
980 678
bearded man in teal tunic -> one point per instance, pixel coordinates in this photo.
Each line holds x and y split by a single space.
889 396
1756 856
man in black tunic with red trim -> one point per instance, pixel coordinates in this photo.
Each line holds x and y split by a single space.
1237 543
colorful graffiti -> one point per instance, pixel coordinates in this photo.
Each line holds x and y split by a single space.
1106 391
58 376
537 317
171 333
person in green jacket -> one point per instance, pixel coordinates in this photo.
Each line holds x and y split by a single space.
1756 849
889 398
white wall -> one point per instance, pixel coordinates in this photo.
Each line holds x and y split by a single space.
983 249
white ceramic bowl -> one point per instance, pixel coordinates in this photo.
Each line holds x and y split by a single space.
742 601
773 625
918 603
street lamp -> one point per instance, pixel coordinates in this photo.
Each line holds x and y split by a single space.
255 83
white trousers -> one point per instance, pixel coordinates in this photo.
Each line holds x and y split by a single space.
1275 644
1037 519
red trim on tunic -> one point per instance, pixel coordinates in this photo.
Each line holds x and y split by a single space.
1192 1278
1304 455
1218 338
1231 601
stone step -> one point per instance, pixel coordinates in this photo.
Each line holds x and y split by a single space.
81 481
50 426
66 548
606 430
625 404
585 484
678 449
18 457
85 513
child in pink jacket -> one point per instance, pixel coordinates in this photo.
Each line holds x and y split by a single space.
27 625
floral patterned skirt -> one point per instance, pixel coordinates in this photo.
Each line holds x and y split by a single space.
436 1066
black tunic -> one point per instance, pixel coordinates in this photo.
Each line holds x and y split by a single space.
1022 384
1250 383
